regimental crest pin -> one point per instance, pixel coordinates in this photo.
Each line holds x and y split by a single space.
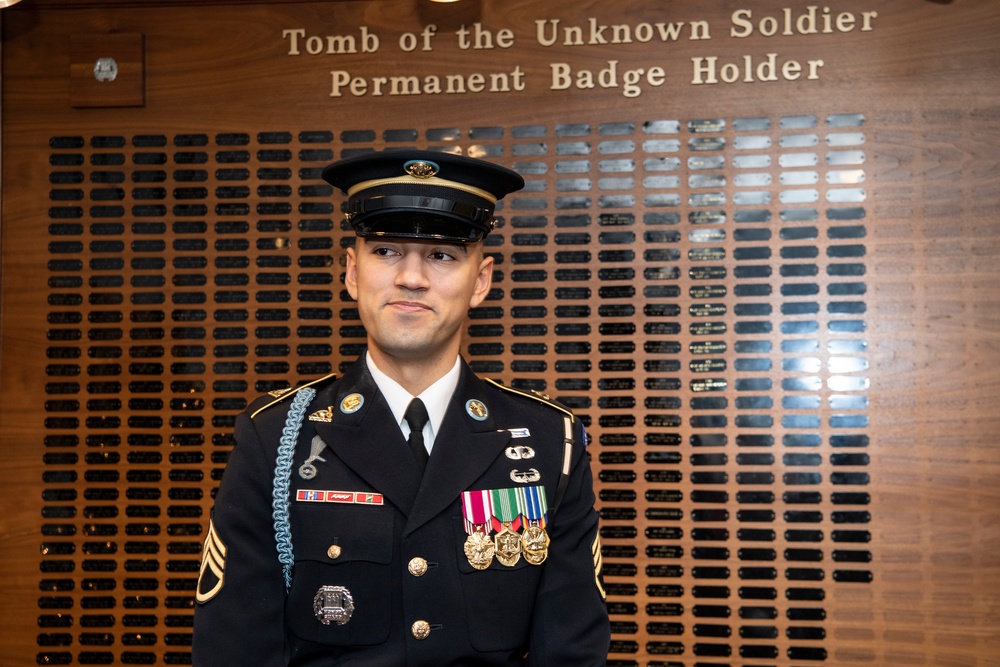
325 415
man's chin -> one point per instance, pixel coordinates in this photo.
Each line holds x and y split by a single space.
406 350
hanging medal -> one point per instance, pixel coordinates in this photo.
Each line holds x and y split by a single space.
505 510
477 512
534 539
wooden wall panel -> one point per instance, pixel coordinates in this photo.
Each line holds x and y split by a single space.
775 304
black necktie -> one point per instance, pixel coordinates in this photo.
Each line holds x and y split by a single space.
416 417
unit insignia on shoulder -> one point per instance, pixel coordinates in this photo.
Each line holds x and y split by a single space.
535 396
283 394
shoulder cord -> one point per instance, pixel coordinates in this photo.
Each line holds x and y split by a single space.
282 480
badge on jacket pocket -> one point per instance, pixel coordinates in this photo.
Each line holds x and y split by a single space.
333 603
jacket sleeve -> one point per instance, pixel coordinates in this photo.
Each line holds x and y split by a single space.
238 617
570 625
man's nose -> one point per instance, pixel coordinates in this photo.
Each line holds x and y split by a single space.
412 272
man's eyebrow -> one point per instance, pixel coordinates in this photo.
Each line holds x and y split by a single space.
455 246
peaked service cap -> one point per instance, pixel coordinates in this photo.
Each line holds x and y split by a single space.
416 194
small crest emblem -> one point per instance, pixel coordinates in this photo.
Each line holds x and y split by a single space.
325 415
476 410
421 168
351 403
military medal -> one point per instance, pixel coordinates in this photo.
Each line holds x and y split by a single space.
534 539
505 510
479 548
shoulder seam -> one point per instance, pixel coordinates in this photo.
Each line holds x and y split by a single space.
291 392
544 400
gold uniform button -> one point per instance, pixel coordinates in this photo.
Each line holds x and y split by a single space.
421 629
417 566
333 552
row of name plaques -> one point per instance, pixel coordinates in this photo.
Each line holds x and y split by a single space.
695 291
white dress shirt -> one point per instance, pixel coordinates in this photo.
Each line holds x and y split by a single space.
436 399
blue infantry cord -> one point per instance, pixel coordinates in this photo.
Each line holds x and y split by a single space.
282 480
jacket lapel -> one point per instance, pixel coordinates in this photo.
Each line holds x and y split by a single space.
369 441
463 451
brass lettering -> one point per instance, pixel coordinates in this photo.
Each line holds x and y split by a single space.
342 82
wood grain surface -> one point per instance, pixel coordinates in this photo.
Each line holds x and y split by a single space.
98 539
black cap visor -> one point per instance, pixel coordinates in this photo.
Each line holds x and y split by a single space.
420 217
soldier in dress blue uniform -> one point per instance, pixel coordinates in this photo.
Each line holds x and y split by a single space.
407 513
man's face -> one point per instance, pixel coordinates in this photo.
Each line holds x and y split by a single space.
413 296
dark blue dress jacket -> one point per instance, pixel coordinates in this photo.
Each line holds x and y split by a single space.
451 614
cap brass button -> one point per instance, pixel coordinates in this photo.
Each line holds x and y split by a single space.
417 566
333 552
421 629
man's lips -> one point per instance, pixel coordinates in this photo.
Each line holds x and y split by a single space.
409 306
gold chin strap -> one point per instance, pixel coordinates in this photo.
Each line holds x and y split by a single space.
434 181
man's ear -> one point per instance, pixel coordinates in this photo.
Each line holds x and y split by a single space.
351 274
484 280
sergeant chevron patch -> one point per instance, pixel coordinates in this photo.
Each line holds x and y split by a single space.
598 566
213 567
